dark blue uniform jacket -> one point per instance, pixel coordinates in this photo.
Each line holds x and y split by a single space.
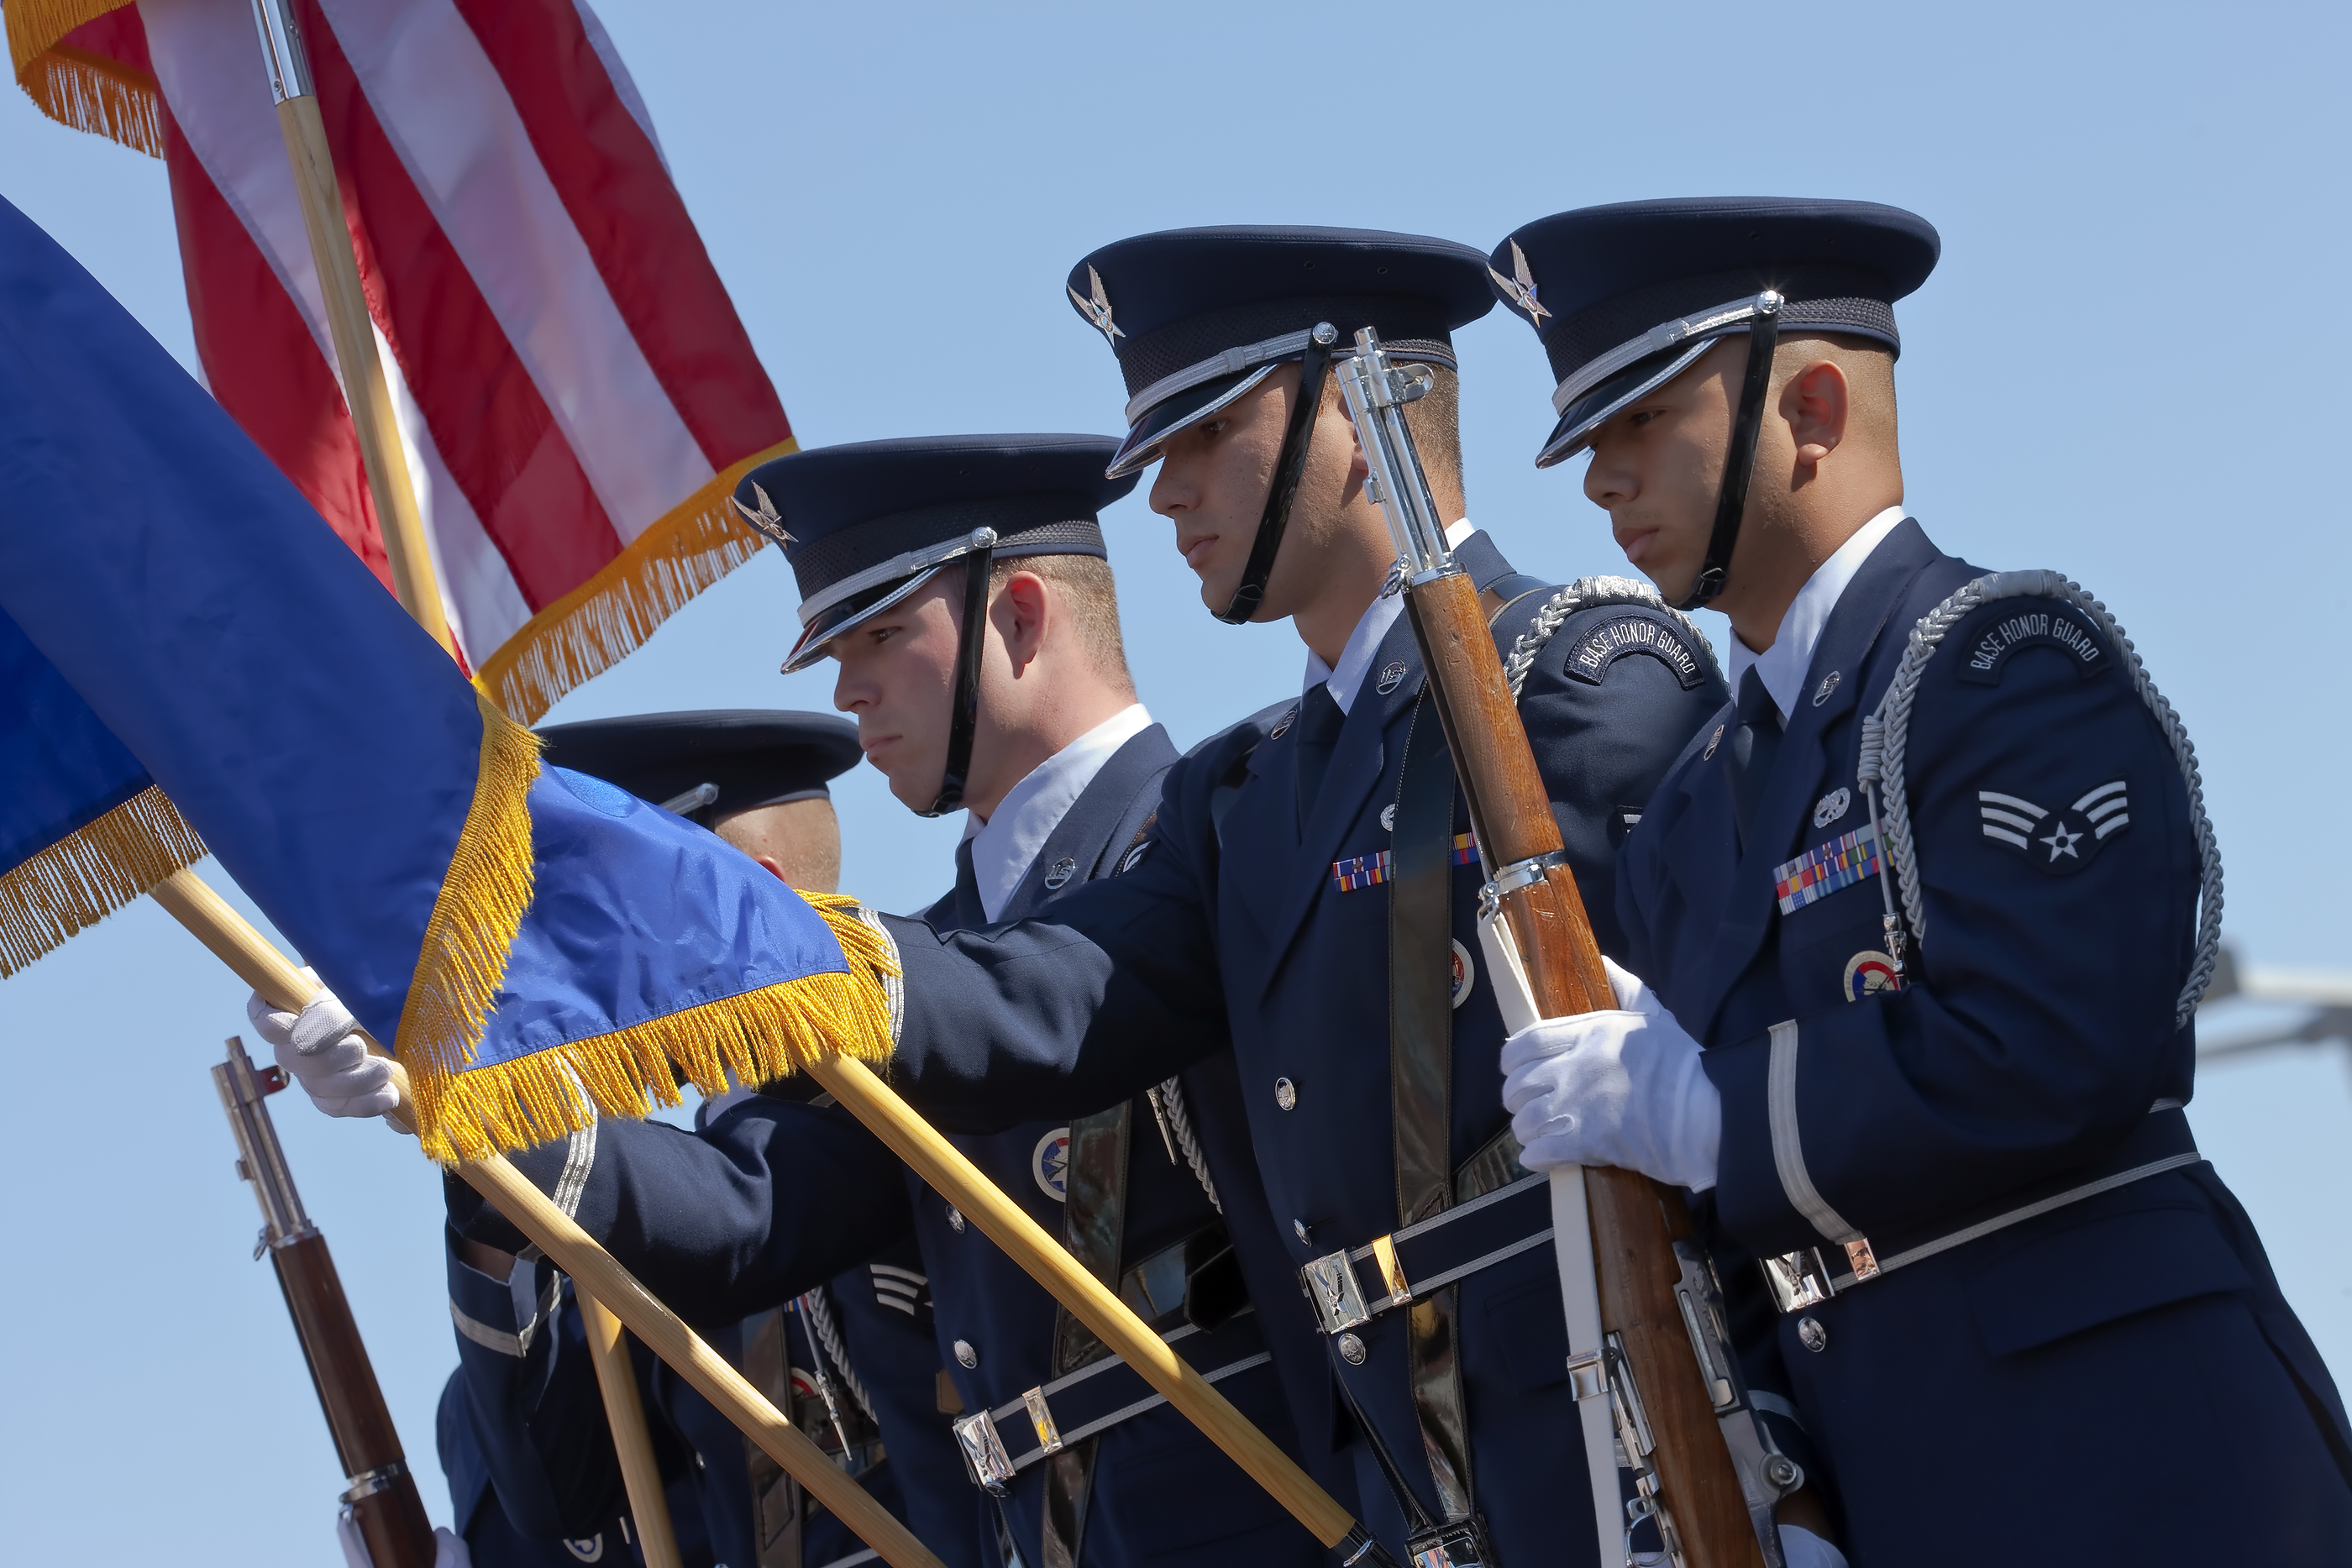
1232 934
2119 1380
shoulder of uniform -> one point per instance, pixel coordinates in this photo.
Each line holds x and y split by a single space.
1995 620
1579 630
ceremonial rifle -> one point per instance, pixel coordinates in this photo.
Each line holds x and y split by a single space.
1651 1356
382 1501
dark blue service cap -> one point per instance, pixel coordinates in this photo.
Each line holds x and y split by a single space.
1626 297
715 762
1198 317
867 523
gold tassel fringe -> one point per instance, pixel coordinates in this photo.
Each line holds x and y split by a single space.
74 87
463 959
754 1037
609 617
88 875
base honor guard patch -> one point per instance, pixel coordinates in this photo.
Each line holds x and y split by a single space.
1603 646
1370 871
1818 872
2034 629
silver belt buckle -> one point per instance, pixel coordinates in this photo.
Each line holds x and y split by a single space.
1798 1279
1332 1289
984 1453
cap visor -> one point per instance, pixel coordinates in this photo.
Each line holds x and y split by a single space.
1605 401
1164 419
848 614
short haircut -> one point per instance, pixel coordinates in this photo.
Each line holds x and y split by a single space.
1087 590
803 838
1869 366
1435 420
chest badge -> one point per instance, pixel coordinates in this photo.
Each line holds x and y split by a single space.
1832 806
1465 973
1061 872
1712 742
1391 678
1134 857
1829 868
1282 726
1867 972
1049 1162
1387 818
1829 684
1370 871
2060 841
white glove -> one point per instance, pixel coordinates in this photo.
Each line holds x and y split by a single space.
1800 1548
1621 1087
449 1551
319 1052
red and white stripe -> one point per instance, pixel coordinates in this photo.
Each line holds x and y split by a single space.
567 367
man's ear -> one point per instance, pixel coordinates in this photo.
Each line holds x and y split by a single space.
775 867
1021 612
1816 403
1359 467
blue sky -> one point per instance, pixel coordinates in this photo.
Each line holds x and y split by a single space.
2128 367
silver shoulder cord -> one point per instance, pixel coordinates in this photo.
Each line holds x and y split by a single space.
819 1314
1583 594
1886 735
1168 1099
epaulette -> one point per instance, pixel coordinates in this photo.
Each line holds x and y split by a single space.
1589 593
1887 730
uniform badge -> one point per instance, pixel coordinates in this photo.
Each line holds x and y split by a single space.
1832 806
1867 972
1597 650
2034 629
1134 857
1831 868
1465 973
767 519
1712 742
1520 288
1282 726
1829 684
1370 871
1387 818
1391 678
2059 841
588 1549
1061 872
1098 310
1049 1162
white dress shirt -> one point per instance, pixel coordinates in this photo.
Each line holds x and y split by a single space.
1346 677
1005 846
1782 667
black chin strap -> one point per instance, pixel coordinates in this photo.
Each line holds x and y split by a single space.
1739 459
963 716
1287 466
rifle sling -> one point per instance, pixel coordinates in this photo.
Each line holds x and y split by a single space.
1094 1219
1421 1075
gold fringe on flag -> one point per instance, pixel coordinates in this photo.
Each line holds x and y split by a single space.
76 87
609 617
88 875
463 959
754 1037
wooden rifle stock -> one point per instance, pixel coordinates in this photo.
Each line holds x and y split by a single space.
1635 1221
1682 1461
382 1498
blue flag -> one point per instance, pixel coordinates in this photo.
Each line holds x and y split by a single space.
529 941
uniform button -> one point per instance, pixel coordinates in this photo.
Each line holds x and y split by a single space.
967 1358
1286 1093
1351 1349
955 1220
1300 1227
1811 1335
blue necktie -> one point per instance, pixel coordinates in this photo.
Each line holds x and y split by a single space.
1753 749
1319 722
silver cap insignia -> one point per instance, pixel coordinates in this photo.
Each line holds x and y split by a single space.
1520 291
767 519
1098 310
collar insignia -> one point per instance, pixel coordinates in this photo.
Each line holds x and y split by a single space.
767 519
1520 291
1098 310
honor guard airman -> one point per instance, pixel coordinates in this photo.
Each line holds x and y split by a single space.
1303 906
533 1474
1914 934
962 586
